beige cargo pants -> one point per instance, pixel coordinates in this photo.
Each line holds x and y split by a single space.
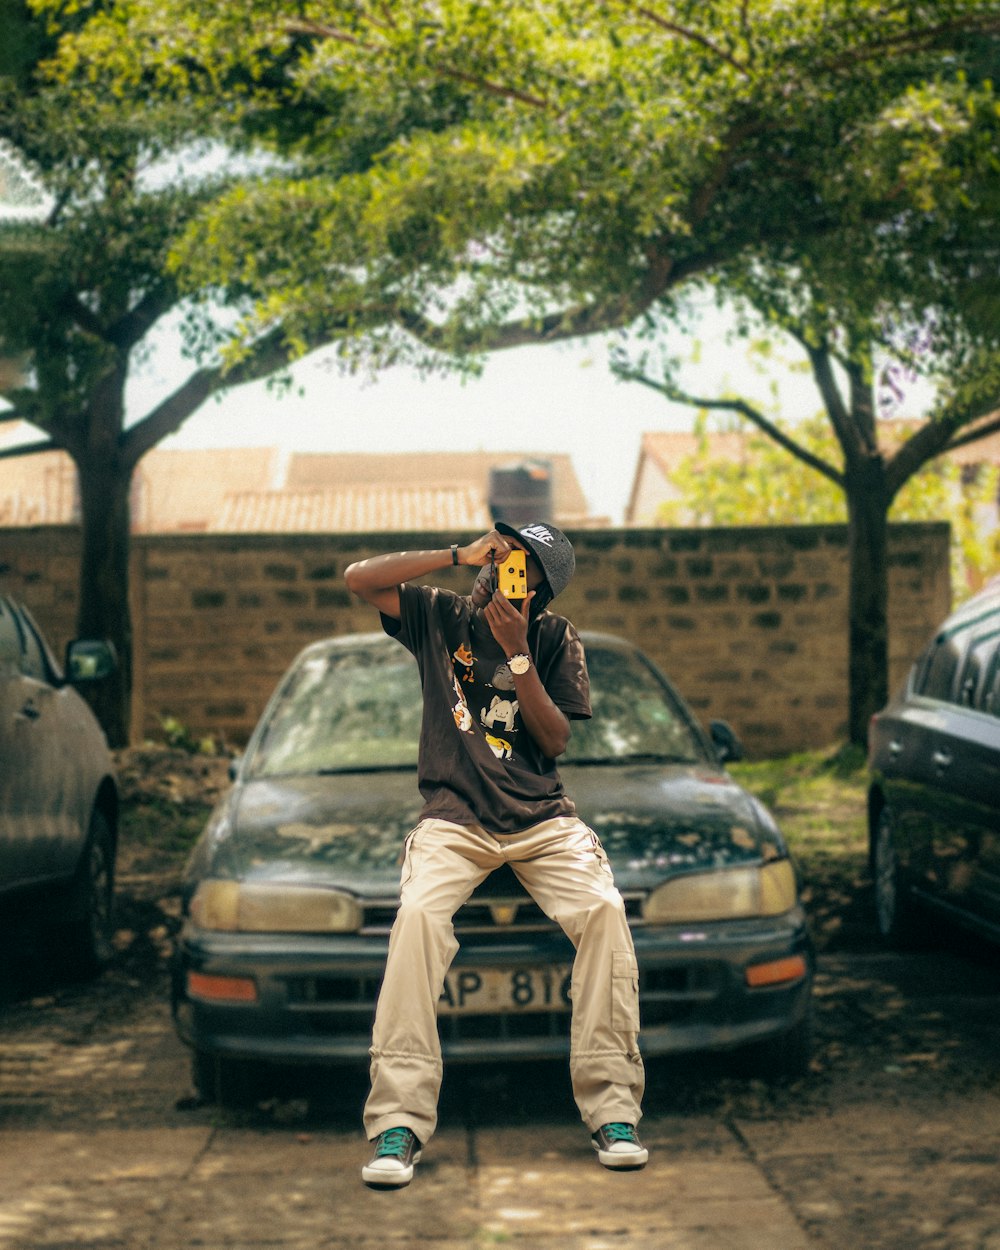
562 864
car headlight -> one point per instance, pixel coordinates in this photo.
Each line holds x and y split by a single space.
264 907
725 894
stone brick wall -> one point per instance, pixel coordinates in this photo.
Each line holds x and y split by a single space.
749 623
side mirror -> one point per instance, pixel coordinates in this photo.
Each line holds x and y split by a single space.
89 660
727 746
234 767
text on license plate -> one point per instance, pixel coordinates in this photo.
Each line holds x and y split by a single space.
474 991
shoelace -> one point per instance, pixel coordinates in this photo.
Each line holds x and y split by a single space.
394 1141
620 1132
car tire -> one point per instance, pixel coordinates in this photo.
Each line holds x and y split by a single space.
87 936
232 1083
894 906
784 1057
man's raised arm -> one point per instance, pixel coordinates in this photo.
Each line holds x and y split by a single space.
377 579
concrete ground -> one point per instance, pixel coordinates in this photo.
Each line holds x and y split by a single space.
894 1141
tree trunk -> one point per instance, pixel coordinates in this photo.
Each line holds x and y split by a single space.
104 610
868 610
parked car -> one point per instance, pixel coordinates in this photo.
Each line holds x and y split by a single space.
934 795
58 794
291 890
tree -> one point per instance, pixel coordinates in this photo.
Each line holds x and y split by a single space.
549 170
869 309
870 467
570 165
83 291
764 485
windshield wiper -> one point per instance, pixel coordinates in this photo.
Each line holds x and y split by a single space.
637 757
361 768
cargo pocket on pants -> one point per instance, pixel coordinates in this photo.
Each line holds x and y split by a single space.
406 856
624 992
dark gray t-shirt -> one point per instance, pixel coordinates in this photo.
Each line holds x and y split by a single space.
478 763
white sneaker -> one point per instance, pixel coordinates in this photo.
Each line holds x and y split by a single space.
391 1166
619 1148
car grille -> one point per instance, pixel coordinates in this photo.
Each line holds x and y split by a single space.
342 1006
500 912
514 913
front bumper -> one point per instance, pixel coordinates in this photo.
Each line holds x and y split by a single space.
315 998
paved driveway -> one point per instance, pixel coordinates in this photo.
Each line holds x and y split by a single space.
894 1141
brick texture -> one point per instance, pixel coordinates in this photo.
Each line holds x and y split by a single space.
751 624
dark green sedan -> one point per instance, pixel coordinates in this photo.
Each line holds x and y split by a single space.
291 890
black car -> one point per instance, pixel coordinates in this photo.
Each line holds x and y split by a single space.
291 890
934 796
58 794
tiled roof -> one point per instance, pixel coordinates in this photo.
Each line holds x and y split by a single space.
353 509
183 491
38 490
669 449
332 470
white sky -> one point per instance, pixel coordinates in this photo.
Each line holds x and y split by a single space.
558 398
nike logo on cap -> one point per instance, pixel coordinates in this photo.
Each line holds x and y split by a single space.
539 533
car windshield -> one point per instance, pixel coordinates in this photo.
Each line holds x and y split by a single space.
359 709
344 711
636 717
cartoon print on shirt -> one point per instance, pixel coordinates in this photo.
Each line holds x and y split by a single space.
467 660
503 678
499 710
500 748
460 711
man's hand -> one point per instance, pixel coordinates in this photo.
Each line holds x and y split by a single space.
509 624
494 545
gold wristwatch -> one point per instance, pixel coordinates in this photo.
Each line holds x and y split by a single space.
519 664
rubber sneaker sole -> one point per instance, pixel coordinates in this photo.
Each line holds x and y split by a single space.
621 1160
388 1178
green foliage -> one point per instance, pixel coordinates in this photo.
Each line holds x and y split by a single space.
488 174
177 735
764 485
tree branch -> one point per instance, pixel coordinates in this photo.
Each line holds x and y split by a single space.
81 314
29 449
933 439
744 409
136 323
692 36
270 354
848 434
973 436
300 26
909 41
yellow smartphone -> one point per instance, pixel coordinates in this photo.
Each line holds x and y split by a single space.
512 578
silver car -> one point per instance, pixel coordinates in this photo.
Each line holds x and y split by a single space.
58 794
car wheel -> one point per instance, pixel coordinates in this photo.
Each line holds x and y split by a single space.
785 1057
894 906
228 1082
87 937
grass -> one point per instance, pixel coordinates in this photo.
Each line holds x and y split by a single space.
819 800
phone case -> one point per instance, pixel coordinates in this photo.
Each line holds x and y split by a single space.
512 577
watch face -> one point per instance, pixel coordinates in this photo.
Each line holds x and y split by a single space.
519 664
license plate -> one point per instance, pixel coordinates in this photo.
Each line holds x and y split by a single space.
475 991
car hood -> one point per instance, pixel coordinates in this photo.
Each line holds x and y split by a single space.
348 830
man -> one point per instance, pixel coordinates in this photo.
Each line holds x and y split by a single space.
501 681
